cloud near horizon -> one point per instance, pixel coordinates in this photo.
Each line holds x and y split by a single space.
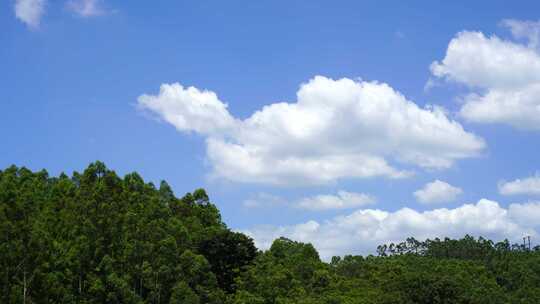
336 129
361 231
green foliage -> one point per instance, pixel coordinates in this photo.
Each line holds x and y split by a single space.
98 238
228 253
95 237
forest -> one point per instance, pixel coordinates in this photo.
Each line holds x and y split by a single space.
96 237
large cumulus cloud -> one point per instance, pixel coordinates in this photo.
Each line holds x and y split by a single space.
336 129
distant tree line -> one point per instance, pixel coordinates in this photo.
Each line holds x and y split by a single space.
95 237
467 248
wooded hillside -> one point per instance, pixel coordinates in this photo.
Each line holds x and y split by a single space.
95 237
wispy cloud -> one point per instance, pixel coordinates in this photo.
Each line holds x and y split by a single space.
263 200
30 11
342 200
527 186
86 8
529 30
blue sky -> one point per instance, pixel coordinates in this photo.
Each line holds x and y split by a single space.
73 74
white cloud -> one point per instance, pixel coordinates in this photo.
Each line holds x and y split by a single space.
244 163
529 185
361 231
527 214
503 75
86 8
343 200
437 192
336 129
189 109
529 30
488 62
30 11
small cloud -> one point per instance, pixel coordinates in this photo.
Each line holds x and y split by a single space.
399 35
437 192
86 8
30 11
527 186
